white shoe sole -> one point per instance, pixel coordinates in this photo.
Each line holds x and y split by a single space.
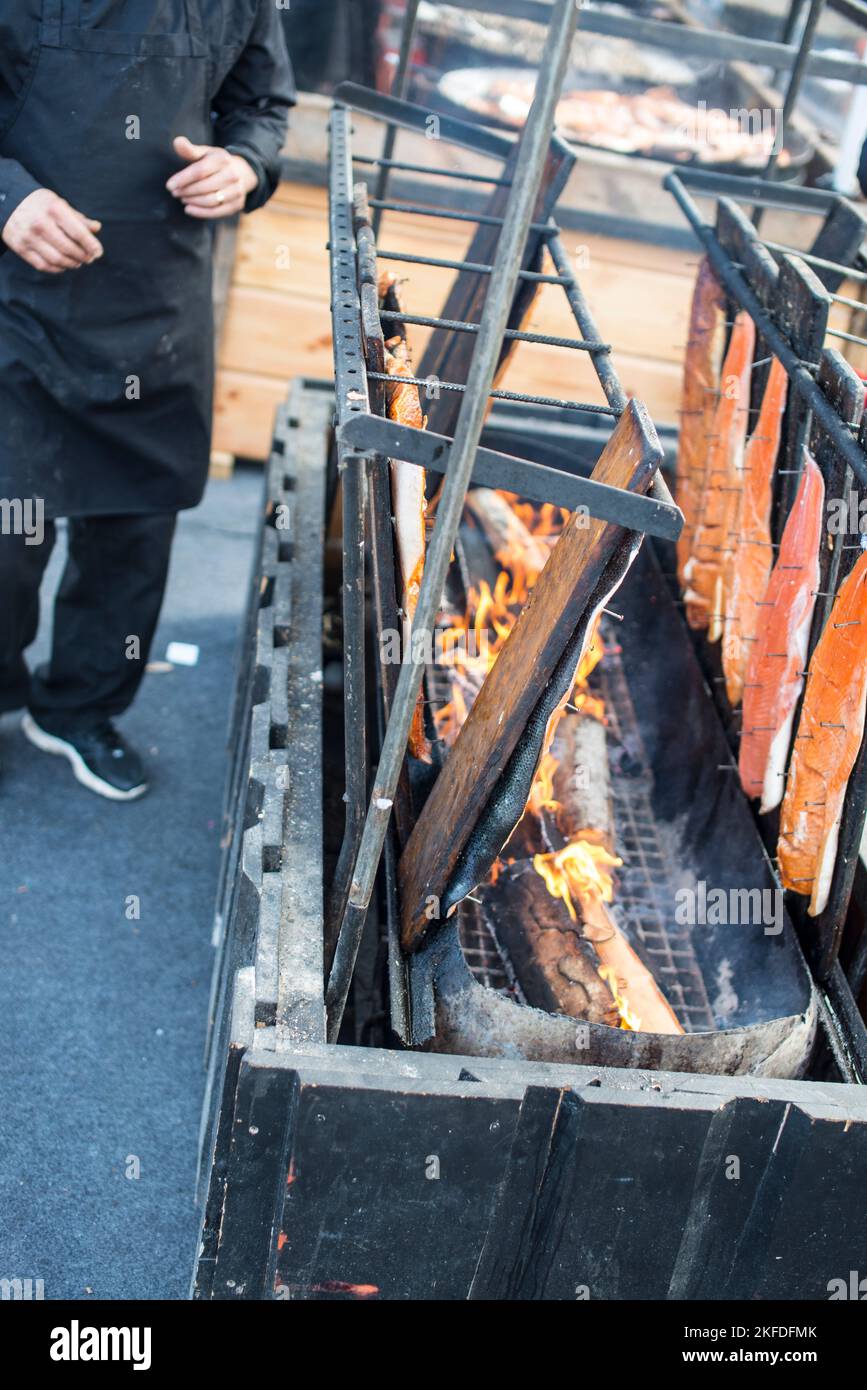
47 743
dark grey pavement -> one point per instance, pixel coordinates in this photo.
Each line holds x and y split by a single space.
103 1014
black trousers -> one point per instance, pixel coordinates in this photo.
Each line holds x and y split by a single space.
105 617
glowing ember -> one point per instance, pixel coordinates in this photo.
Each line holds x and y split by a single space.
580 870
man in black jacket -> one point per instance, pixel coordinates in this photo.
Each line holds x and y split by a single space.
127 127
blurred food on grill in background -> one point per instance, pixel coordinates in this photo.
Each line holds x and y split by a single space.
657 122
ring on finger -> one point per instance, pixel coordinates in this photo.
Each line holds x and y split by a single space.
220 197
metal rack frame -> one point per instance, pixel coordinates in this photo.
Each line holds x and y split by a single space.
701 43
678 36
365 439
773 282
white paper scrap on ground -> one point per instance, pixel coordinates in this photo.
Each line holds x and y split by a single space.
182 654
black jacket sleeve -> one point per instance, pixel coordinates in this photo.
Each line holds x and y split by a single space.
19 41
252 106
15 185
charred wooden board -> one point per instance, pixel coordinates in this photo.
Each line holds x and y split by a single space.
505 807
519 678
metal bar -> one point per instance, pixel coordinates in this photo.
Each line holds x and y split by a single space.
840 1001
534 146
608 379
481 219
353 473
849 337
516 334
744 189
799 68
655 514
833 919
399 89
350 382
857 972
677 38
352 398
429 173
854 10
859 275
790 28
859 304
535 275
501 395
797 371
411 117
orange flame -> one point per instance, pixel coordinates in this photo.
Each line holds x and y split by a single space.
580 870
628 1019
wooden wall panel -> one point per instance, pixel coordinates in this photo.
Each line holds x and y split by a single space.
278 322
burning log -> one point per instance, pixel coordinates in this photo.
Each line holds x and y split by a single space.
585 817
556 967
515 784
507 535
632 984
582 780
533 664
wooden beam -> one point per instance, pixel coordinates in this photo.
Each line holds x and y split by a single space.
518 678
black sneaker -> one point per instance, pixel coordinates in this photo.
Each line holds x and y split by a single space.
101 758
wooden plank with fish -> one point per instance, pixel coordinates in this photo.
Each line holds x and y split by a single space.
775 673
572 587
829 738
704 350
749 559
407 489
722 482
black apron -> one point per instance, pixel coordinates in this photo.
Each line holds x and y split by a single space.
106 373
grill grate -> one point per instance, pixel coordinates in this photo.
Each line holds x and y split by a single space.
645 887
488 964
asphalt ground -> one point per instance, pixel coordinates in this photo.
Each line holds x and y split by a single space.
103 1010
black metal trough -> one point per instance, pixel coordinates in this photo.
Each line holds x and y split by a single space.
336 1171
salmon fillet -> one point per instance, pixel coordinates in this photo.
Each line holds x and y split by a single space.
410 506
703 569
826 746
749 558
775 673
701 373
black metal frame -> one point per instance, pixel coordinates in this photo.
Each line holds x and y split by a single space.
364 436
790 307
702 43
679 36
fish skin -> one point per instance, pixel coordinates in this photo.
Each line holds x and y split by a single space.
703 569
773 685
823 757
748 563
701 373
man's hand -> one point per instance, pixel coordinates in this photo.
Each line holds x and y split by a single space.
215 184
50 235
